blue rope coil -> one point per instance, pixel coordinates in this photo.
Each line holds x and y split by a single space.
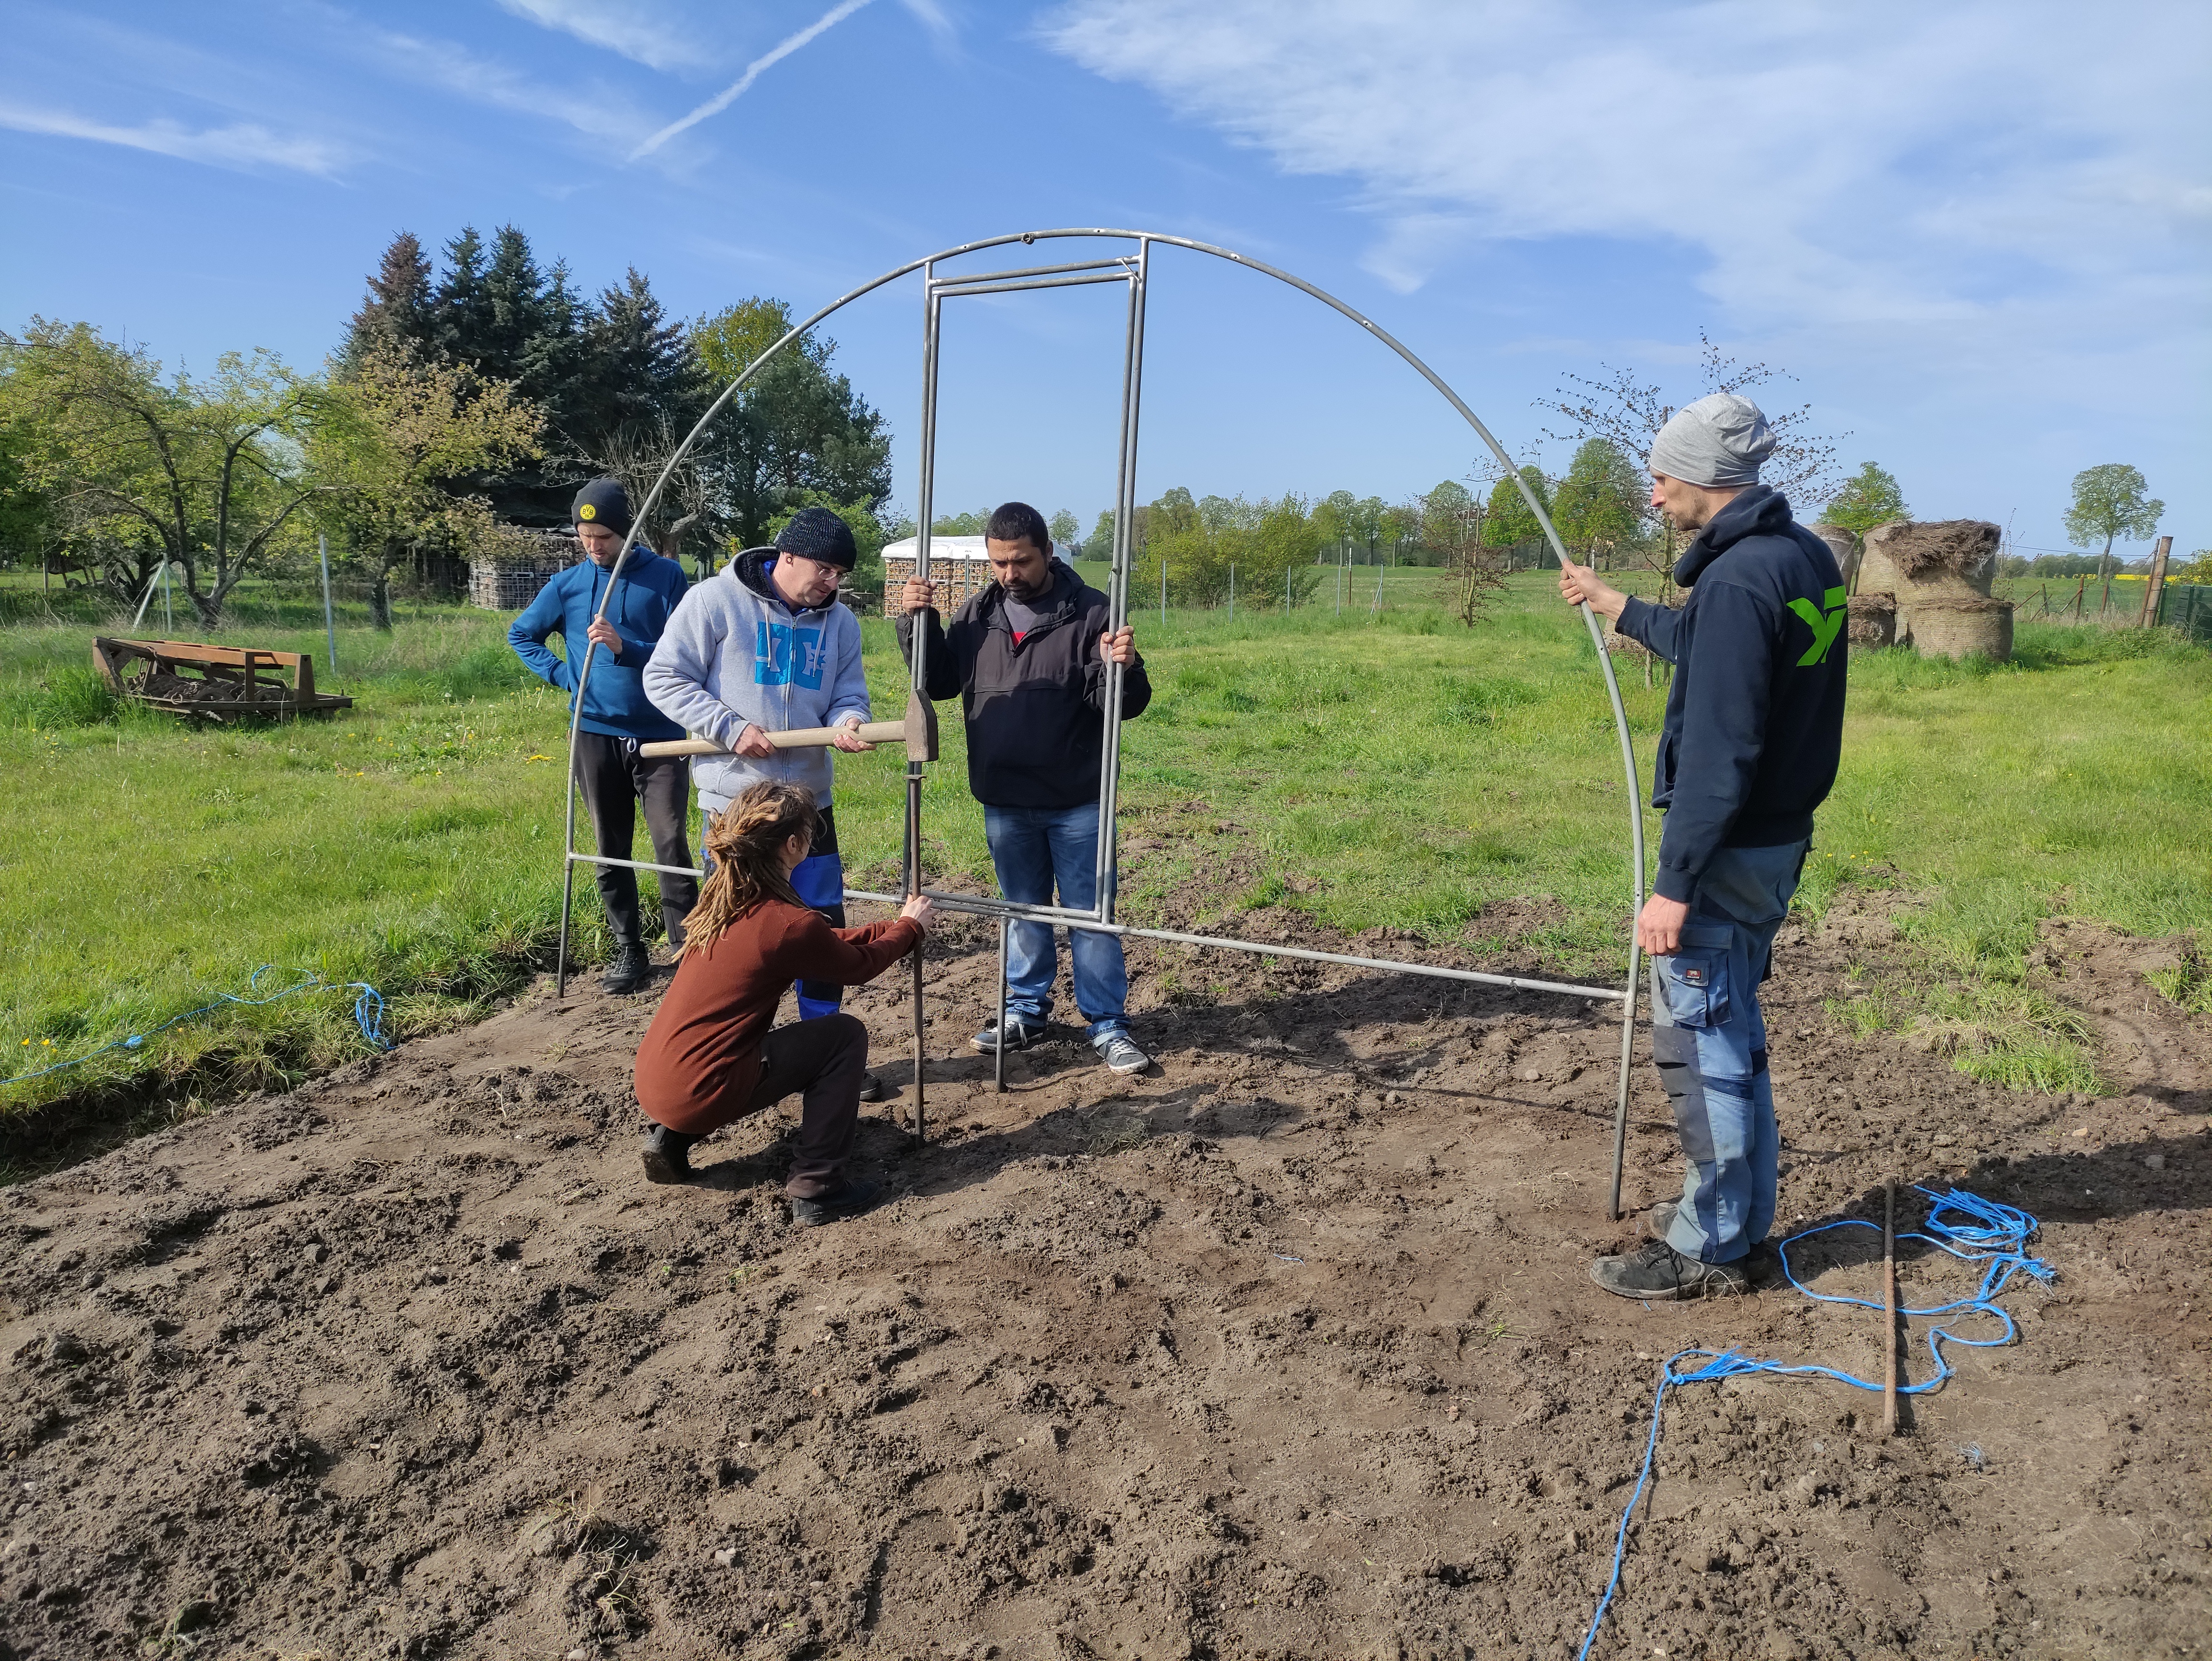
1964 1225
368 1015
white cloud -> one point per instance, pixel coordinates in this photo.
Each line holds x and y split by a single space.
591 109
730 95
1888 164
638 31
244 146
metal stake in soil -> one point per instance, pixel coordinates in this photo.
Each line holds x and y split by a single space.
1889 1307
999 1056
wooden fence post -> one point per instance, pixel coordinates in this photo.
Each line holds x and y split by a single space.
2157 582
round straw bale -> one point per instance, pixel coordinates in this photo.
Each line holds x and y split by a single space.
1952 626
1956 557
1874 620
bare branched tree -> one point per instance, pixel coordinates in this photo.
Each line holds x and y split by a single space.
633 454
1620 407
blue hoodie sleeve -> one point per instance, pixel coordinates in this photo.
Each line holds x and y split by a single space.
1656 627
636 653
1730 684
541 618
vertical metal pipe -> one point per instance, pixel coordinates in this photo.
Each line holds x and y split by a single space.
998 1053
1118 598
920 1033
932 313
1620 1094
330 625
568 900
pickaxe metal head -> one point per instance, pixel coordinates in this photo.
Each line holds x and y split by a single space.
920 728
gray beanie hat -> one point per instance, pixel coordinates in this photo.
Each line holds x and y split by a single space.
1720 440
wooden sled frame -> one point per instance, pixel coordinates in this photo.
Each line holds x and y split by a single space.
245 669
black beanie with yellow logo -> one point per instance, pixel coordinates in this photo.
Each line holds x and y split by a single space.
603 502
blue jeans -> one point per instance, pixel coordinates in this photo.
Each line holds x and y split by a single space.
1709 1040
1033 848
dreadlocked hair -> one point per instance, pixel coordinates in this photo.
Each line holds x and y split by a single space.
745 841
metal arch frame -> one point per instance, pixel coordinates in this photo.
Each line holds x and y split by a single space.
1102 921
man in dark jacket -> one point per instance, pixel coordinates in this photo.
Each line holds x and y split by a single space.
1754 731
617 716
1027 658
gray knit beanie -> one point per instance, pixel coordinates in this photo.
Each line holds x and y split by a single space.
1720 440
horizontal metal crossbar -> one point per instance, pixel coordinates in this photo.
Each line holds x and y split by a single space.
1261 948
635 865
1060 913
1118 262
1041 282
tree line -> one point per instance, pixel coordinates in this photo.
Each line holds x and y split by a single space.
465 403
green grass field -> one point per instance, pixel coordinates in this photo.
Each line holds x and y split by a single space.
1404 770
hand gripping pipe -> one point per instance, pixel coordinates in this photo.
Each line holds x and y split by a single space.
1144 240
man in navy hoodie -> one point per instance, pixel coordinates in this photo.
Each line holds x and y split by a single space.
616 715
1754 731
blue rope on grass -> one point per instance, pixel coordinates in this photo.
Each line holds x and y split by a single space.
368 1015
1965 1226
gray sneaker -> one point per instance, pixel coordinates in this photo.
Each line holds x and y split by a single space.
1119 1052
1763 1264
1659 1274
1020 1035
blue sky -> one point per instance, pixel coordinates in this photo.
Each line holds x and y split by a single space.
1976 234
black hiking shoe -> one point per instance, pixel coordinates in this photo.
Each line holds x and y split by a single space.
848 1199
627 970
1763 1264
1020 1035
1659 1274
666 1155
872 1088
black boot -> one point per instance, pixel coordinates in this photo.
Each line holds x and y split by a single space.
666 1155
628 969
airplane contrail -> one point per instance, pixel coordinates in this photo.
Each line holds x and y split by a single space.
722 101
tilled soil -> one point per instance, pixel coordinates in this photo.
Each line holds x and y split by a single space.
1286 1350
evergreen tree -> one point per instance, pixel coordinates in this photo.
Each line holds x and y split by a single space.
398 309
460 307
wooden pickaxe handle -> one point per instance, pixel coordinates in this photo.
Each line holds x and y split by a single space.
799 738
918 732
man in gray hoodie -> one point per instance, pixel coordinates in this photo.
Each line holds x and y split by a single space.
763 647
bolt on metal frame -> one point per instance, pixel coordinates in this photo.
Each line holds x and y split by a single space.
1134 270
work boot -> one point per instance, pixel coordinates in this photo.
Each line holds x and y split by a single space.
848 1199
872 1088
667 1155
1119 1052
1659 1274
627 970
1763 1263
1020 1035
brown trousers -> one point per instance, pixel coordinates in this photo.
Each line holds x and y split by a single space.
825 1058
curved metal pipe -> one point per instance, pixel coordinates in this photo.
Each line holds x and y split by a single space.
1142 238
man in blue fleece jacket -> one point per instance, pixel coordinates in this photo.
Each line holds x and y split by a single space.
616 716
1754 732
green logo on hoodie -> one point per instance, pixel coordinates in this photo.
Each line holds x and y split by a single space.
1825 629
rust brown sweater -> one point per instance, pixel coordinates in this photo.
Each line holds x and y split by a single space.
704 1048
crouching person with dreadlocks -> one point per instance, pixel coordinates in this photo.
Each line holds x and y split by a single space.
710 1057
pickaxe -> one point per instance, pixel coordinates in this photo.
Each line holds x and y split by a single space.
918 732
